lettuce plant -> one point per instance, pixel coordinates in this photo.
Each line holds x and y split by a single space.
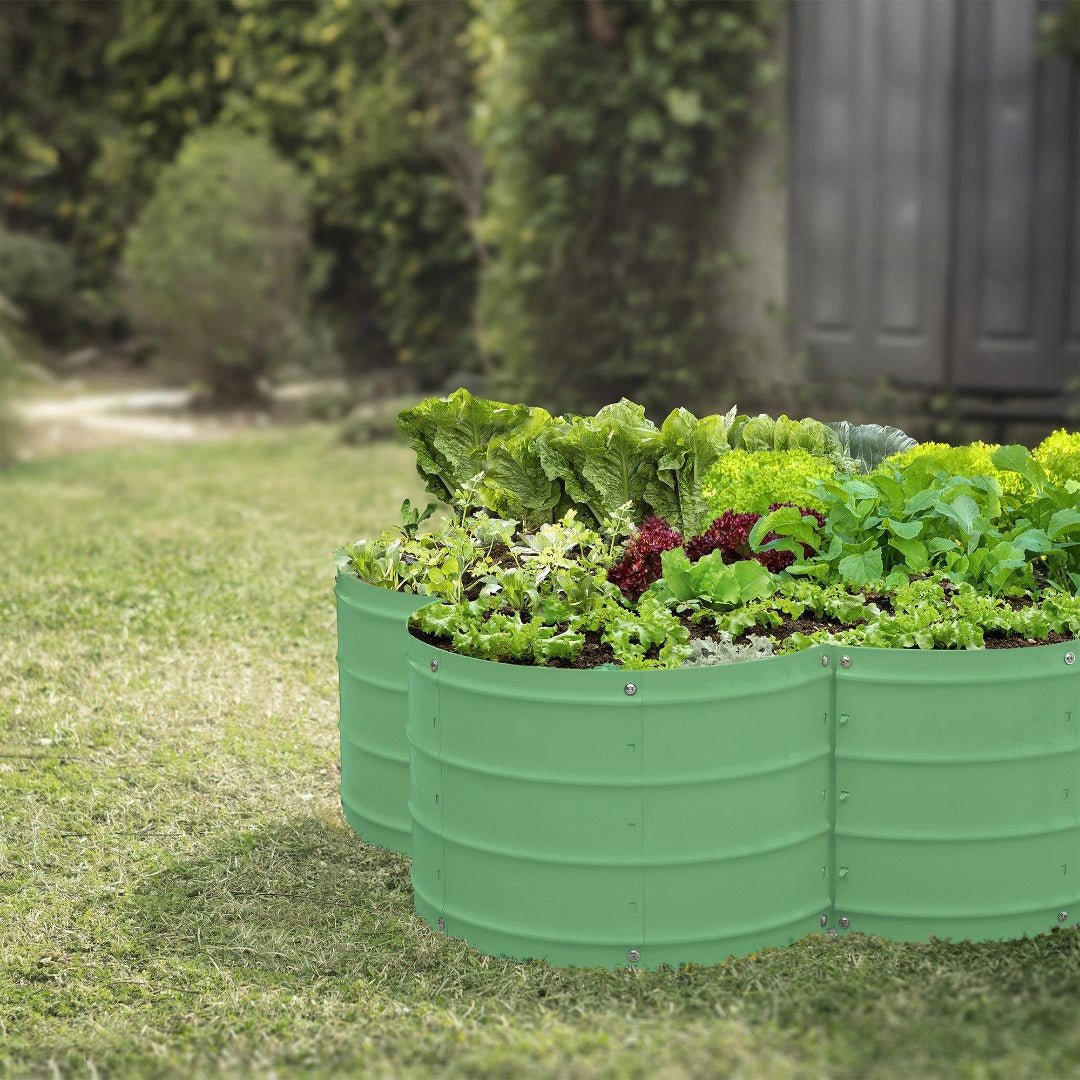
752 482
759 433
604 461
1059 456
689 448
451 436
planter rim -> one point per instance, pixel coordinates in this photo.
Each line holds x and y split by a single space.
355 590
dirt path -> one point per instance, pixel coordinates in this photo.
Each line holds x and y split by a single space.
88 421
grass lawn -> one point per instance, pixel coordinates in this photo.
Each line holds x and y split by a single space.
179 894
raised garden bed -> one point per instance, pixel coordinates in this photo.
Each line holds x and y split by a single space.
681 692
684 816
372 680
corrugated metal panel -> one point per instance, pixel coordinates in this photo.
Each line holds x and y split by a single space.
718 811
958 780
372 678
556 816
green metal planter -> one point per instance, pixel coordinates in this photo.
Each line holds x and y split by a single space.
666 817
372 677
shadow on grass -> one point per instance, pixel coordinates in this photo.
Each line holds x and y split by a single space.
307 903
289 904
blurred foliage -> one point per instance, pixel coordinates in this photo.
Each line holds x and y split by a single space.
39 277
607 127
368 99
56 114
570 156
214 265
1059 31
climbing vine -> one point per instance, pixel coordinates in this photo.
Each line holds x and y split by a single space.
608 128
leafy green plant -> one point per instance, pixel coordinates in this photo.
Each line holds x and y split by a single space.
605 461
215 265
710 580
892 524
869 444
972 459
1059 456
758 433
689 449
451 436
933 613
751 482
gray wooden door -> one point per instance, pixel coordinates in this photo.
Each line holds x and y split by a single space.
935 194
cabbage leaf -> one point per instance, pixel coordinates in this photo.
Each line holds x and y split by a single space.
869 444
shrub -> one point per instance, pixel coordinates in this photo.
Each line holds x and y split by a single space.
751 482
215 264
39 277
1059 455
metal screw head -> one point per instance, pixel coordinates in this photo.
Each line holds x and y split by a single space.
824 661
1070 658
824 920
831 931
442 923
1062 916
434 665
845 661
845 922
633 956
630 689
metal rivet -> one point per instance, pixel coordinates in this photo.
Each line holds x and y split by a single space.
442 923
633 956
630 689
824 920
831 931
1070 658
434 665
845 922
845 661
1062 916
824 661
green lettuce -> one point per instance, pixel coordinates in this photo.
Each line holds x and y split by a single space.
604 461
711 579
451 436
688 448
515 484
756 433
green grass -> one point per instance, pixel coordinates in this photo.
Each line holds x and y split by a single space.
179 894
